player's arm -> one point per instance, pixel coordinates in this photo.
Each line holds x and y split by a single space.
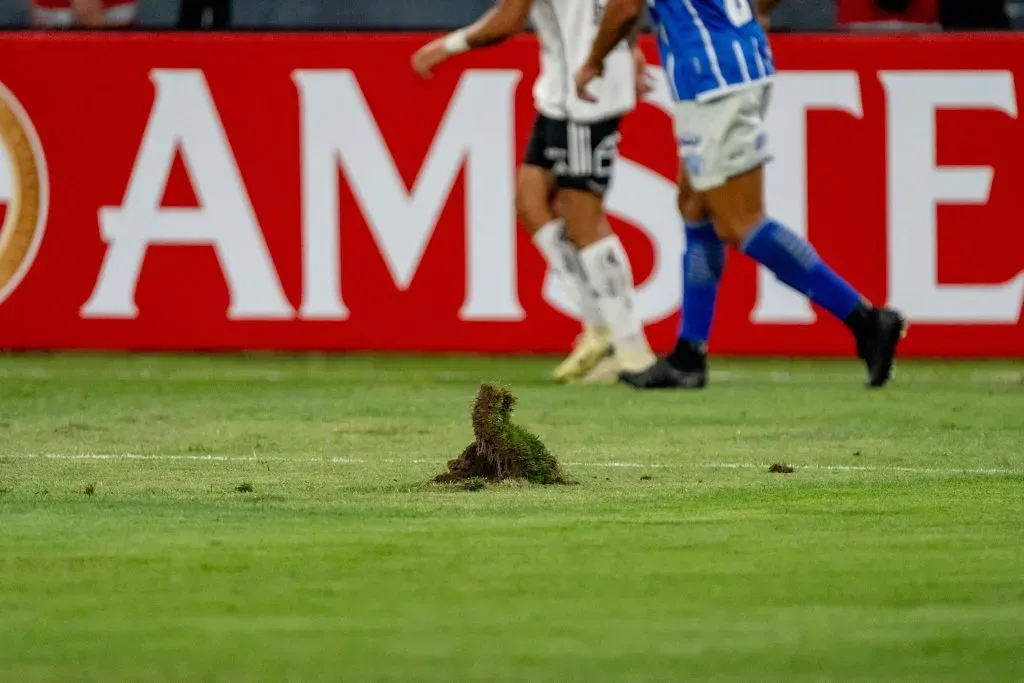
767 6
634 33
643 79
764 9
89 13
621 17
498 24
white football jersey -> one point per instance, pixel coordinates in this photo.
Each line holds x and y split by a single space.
566 30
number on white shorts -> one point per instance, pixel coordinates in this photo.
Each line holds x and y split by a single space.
739 12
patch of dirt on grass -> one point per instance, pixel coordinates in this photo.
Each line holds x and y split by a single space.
502 450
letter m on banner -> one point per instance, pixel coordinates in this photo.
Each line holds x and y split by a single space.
339 131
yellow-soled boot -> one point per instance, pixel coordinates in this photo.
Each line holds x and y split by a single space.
607 371
591 347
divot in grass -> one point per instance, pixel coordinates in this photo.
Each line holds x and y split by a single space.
502 450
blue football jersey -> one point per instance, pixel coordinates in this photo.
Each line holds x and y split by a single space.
710 47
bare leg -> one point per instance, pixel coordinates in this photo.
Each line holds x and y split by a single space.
535 195
703 266
738 208
685 367
535 192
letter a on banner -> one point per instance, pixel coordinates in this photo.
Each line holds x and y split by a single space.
184 119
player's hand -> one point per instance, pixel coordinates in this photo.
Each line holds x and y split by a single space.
765 21
586 74
428 57
644 85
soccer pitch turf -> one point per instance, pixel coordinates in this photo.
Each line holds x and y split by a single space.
132 548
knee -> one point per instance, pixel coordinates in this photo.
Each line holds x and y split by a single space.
735 229
526 200
569 202
533 204
685 200
727 235
584 216
691 204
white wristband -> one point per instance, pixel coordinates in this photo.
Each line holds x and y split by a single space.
457 42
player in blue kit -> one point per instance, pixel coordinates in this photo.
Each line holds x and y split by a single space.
720 69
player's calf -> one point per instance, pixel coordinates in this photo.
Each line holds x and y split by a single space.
796 263
703 263
535 189
533 204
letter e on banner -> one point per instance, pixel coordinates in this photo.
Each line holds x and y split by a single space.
917 185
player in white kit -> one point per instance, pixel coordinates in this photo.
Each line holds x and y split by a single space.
567 170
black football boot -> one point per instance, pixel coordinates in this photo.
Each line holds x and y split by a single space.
878 332
686 367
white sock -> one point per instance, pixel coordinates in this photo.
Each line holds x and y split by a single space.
563 259
610 277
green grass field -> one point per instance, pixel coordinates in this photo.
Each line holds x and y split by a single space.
132 548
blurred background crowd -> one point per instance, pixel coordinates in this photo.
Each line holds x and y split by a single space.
792 15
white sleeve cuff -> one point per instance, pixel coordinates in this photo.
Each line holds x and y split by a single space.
457 42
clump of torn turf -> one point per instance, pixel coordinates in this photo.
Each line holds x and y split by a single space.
502 450
473 484
781 468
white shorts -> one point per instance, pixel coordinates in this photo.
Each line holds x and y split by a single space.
723 138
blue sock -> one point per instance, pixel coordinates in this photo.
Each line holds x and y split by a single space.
703 264
795 262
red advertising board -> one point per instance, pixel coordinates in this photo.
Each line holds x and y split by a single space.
310 192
